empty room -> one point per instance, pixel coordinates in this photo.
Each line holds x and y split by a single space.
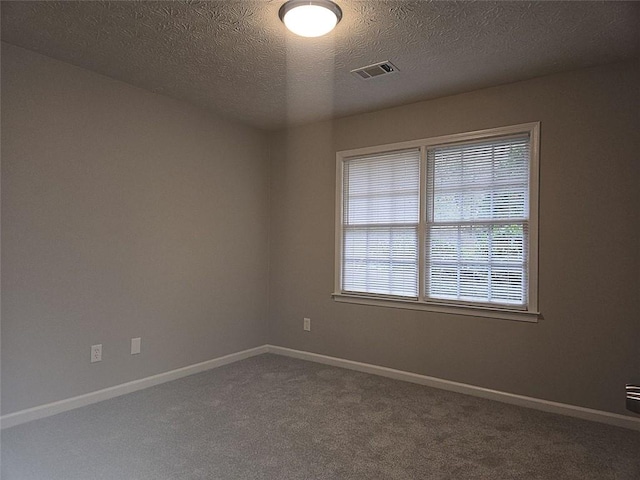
320 240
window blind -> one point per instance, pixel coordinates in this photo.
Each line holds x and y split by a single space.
477 221
381 210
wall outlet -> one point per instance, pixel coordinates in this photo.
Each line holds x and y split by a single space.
307 324
135 346
96 353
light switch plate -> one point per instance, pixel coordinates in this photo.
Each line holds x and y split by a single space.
135 346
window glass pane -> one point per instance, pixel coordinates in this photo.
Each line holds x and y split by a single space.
477 229
383 208
381 196
481 204
476 263
382 188
474 283
381 260
480 182
507 243
507 285
443 281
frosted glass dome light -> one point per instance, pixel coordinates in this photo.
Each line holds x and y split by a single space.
310 18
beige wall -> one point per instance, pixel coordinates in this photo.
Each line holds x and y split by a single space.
588 343
129 214
124 214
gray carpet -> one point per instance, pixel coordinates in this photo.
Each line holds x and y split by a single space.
272 417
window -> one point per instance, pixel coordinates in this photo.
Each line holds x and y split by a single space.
446 224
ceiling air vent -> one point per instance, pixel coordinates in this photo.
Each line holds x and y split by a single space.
375 70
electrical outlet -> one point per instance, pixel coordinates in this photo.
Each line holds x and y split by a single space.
135 346
96 353
307 324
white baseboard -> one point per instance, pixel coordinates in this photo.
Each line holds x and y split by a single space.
49 409
504 397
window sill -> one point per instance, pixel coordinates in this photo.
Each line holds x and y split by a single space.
474 311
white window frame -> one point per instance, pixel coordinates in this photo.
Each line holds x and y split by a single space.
531 313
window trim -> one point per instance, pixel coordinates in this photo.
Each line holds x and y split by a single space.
528 314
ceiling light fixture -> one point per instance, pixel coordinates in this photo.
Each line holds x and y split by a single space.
310 18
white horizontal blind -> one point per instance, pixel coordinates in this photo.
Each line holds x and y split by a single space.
381 197
478 221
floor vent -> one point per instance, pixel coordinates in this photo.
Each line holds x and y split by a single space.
375 70
633 398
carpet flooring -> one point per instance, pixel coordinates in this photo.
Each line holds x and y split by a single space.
272 417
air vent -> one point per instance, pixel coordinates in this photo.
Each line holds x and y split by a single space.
375 70
633 398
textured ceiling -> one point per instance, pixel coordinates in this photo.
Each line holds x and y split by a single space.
236 58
